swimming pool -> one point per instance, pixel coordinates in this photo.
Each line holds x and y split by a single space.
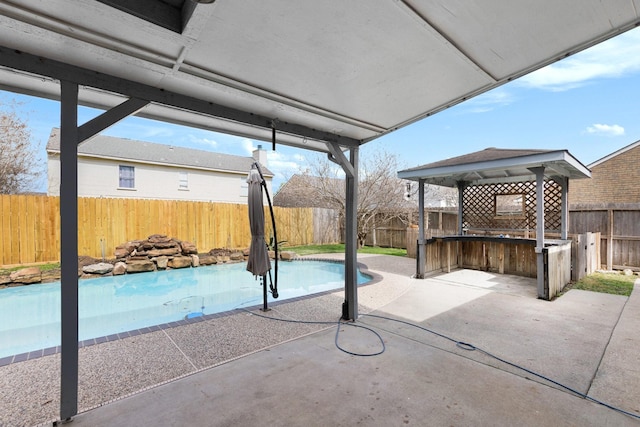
30 315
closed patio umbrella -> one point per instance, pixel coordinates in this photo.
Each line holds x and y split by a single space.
258 262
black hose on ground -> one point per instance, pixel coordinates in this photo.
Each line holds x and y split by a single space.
460 344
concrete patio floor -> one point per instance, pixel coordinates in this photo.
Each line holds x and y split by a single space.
244 369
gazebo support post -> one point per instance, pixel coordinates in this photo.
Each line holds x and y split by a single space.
564 207
421 241
539 171
461 186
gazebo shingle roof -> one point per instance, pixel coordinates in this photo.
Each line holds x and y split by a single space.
487 154
497 165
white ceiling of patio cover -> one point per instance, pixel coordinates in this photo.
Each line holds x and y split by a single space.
358 68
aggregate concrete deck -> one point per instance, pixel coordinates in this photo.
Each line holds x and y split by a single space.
244 369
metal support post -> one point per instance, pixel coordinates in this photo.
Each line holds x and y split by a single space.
351 239
69 249
70 136
421 255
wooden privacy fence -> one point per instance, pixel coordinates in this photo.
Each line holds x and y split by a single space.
619 226
30 225
438 222
412 238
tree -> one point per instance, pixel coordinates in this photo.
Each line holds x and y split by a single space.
381 194
20 169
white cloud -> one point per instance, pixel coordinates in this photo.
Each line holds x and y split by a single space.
247 146
285 164
142 130
489 101
153 132
207 142
606 130
615 57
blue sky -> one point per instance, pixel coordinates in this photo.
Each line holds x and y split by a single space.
587 104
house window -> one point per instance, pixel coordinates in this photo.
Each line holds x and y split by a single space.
244 187
183 180
127 177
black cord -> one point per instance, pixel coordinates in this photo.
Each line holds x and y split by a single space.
460 344
339 325
363 327
471 347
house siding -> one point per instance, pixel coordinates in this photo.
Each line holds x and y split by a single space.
53 174
612 181
100 178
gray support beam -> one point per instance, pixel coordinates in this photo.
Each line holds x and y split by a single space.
420 269
69 249
350 168
351 240
338 157
70 136
109 117
564 216
539 171
57 70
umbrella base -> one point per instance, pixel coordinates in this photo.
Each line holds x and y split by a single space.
264 294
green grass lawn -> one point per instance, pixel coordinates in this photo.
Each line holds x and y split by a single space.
43 267
339 248
609 283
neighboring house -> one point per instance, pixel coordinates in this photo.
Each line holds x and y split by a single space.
300 192
614 179
118 167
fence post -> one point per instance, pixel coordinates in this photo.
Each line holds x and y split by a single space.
610 241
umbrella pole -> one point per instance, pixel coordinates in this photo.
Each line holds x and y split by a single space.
274 285
264 293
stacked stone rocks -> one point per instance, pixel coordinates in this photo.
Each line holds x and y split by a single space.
157 252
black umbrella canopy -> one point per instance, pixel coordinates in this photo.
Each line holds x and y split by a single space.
258 262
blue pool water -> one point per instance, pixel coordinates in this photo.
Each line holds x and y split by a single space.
30 315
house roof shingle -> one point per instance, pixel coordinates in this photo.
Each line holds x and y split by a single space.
147 152
300 192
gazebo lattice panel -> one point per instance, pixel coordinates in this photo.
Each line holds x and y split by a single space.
479 206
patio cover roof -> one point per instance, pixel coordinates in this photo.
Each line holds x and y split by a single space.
494 165
346 72
326 75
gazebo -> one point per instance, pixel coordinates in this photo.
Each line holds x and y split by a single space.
504 196
323 76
